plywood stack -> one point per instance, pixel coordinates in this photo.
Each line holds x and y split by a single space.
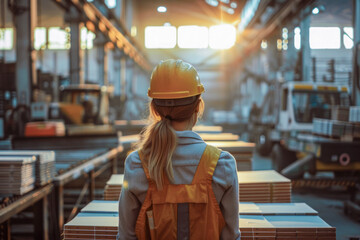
113 187
354 115
44 166
207 129
219 136
17 175
285 227
264 187
101 206
97 220
249 208
92 226
340 113
242 152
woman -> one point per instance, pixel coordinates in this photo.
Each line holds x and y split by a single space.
176 186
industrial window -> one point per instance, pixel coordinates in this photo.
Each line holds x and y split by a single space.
6 38
59 38
348 37
40 38
87 38
160 37
325 38
193 37
222 36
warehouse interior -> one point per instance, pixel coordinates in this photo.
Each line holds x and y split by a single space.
282 95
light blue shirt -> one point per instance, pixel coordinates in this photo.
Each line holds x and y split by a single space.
185 160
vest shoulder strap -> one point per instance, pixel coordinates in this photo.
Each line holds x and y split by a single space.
207 164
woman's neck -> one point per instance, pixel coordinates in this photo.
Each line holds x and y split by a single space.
182 126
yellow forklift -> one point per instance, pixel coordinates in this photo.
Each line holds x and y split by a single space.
82 110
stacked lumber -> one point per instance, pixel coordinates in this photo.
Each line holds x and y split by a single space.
264 187
285 227
275 209
339 113
207 129
242 152
354 115
219 136
333 128
44 165
92 225
113 187
17 175
101 206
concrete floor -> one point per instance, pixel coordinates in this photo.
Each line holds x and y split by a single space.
328 202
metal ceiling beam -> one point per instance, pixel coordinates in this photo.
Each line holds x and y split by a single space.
277 20
97 20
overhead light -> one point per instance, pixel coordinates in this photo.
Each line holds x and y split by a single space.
161 9
227 9
233 5
213 3
225 1
315 11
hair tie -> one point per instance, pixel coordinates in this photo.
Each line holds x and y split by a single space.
168 117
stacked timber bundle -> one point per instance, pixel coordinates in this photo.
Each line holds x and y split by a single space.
113 187
333 128
275 209
94 225
264 187
207 129
340 113
101 206
285 227
242 152
17 175
219 136
44 166
354 115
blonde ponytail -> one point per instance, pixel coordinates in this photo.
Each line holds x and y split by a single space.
158 140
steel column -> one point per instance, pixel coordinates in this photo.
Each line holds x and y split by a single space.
59 196
356 54
101 59
117 71
25 20
128 13
119 10
290 55
76 68
41 219
305 46
91 185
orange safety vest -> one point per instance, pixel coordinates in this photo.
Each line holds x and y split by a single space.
158 215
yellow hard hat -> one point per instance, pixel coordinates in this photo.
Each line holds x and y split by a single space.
173 79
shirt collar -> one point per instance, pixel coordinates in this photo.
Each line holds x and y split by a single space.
188 137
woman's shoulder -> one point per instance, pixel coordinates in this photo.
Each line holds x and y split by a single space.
133 160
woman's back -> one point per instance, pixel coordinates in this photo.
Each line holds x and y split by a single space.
185 160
